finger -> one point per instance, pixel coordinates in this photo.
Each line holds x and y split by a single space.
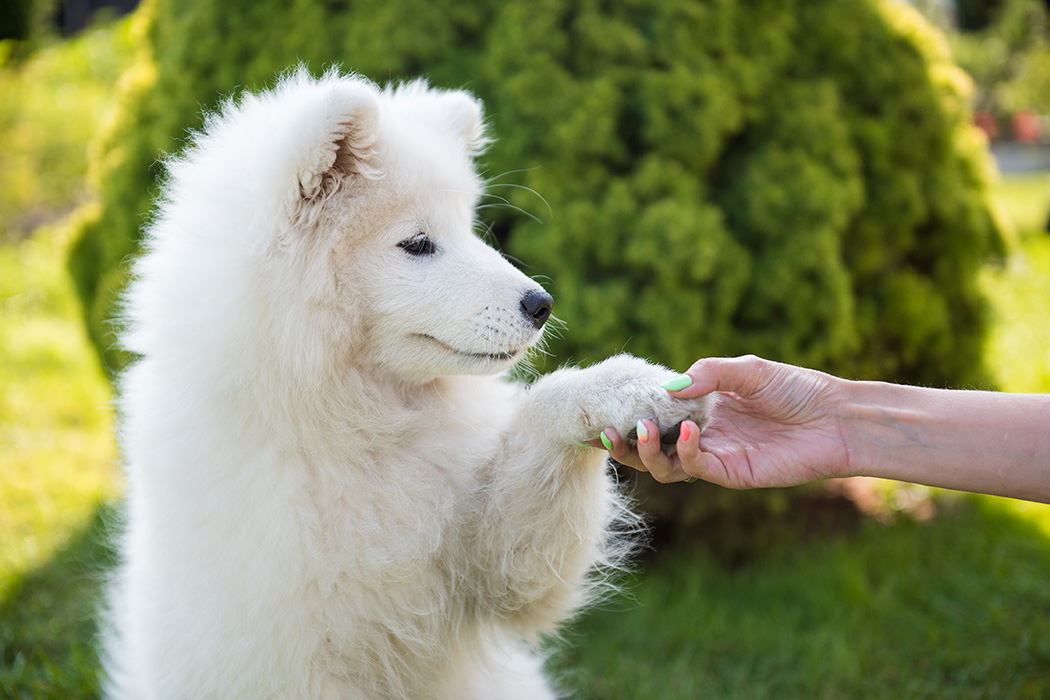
605 440
660 465
709 467
688 439
694 462
697 464
621 451
690 458
688 442
741 375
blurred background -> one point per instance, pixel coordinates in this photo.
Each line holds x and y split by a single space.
861 187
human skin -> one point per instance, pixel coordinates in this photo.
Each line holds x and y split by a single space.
779 425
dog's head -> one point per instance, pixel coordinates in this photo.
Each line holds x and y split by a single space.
384 198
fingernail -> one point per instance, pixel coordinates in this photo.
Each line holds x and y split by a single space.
643 433
677 383
685 432
606 441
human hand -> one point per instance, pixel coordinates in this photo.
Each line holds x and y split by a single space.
772 425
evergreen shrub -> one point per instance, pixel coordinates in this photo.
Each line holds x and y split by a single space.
792 178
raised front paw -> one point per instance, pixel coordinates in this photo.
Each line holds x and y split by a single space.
623 390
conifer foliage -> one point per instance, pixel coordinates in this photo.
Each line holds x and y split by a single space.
791 178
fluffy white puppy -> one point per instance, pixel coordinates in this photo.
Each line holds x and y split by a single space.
331 492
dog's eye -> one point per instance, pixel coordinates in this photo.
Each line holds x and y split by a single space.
419 244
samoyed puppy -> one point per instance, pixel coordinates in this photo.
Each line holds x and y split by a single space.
334 491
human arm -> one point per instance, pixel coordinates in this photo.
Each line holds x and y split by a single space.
780 425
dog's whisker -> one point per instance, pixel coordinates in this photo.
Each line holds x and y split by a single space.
527 189
513 207
489 181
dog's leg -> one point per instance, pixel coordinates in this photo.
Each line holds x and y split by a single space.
549 508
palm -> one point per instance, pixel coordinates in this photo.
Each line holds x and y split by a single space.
783 434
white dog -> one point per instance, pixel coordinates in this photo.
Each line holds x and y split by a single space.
331 492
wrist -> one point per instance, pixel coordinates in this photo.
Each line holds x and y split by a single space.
880 424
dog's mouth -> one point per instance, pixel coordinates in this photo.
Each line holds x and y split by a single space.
483 356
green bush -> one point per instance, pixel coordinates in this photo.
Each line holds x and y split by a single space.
796 179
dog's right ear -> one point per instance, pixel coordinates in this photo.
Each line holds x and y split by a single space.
343 142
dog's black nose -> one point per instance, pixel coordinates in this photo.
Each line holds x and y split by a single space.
537 306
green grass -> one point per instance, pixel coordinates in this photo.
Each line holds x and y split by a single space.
1019 347
57 454
48 619
1025 199
50 108
55 425
956 607
57 468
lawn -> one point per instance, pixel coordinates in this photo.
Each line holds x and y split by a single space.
57 455
1019 347
958 607
955 606
58 470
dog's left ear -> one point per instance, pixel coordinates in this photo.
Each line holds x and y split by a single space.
343 143
466 118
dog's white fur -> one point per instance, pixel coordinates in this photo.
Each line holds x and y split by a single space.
331 492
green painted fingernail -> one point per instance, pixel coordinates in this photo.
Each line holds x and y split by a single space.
606 441
677 383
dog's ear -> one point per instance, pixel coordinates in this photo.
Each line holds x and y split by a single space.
344 142
466 118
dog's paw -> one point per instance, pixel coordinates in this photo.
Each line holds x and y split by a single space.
622 390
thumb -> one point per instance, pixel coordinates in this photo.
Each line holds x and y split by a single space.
741 375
